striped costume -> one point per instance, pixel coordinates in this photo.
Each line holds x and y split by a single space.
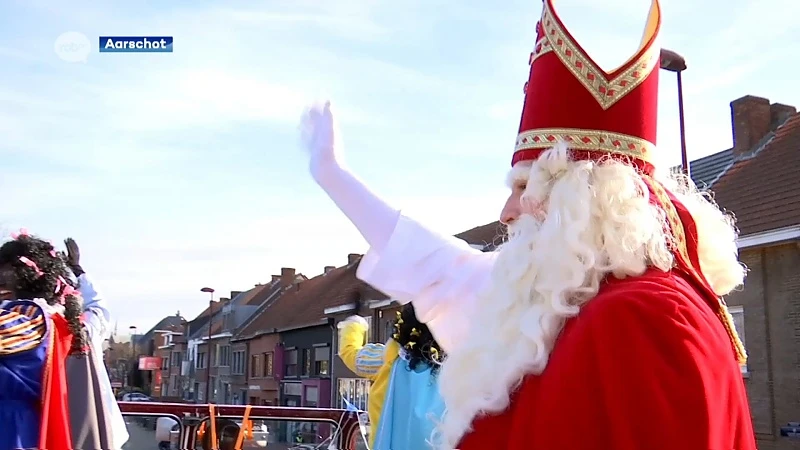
33 347
404 404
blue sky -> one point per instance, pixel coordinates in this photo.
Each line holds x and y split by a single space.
178 171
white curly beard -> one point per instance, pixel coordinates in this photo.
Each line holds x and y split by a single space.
517 331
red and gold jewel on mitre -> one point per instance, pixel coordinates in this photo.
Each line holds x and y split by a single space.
569 98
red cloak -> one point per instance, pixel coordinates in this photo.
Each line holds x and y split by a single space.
55 429
647 365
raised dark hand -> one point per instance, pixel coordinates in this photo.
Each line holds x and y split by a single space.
73 256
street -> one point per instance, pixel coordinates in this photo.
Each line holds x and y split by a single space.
141 438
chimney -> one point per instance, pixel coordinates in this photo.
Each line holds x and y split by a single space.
779 113
287 276
352 257
275 278
234 294
329 268
751 117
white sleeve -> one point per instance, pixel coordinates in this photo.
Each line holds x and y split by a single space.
96 316
441 275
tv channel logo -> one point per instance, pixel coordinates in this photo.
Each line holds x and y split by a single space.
135 44
72 47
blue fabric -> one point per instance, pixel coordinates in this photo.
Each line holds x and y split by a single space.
20 380
412 408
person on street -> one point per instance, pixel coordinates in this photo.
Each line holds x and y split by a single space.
404 398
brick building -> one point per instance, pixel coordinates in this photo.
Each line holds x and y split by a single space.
289 347
258 375
294 336
118 359
170 346
194 384
757 181
209 343
145 345
227 361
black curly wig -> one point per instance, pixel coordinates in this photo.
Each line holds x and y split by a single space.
417 340
52 281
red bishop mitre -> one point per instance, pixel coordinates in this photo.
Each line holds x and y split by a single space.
569 98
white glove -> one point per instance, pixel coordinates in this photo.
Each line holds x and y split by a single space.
374 218
353 319
319 137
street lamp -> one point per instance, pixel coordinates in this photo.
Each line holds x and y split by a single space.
135 359
132 328
209 291
673 62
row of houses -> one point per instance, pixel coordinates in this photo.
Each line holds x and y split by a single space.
275 344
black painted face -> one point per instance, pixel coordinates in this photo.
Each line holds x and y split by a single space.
7 283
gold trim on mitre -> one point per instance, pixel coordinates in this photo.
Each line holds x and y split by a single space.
606 91
542 48
589 140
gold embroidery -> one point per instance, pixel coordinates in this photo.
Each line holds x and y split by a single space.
590 140
606 92
679 236
47 383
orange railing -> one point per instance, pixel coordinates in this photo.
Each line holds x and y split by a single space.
343 424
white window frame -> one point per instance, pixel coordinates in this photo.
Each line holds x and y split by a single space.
734 311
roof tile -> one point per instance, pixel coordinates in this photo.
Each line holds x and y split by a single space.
304 304
762 190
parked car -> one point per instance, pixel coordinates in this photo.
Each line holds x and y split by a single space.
135 397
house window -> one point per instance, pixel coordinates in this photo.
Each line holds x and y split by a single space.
237 366
201 360
322 356
388 330
354 390
223 355
255 366
306 362
165 363
176 359
268 358
291 363
311 397
737 312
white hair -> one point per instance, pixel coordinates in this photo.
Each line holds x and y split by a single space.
581 221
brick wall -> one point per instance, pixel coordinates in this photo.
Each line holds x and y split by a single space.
771 304
268 386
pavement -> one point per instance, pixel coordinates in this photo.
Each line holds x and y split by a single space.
141 438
